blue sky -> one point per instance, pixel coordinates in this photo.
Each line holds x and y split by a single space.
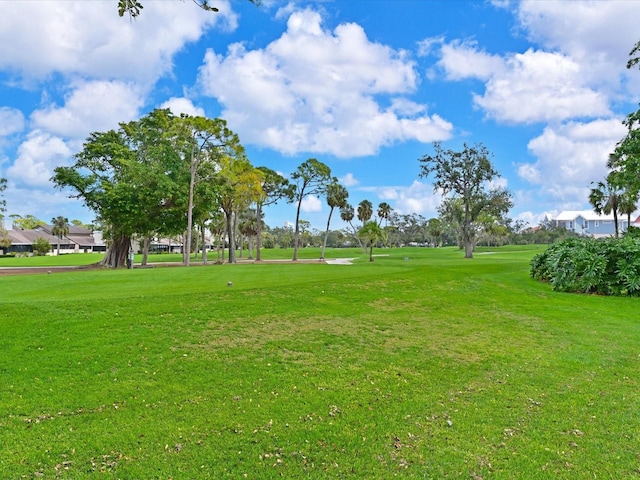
365 86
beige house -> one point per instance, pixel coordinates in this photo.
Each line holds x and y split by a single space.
78 240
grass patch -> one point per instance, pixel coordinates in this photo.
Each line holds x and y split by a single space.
418 365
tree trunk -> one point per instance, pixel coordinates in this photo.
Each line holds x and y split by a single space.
467 237
204 246
192 181
250 247
296 233
117 252
231 237
355 235
326 234
259 234
145 250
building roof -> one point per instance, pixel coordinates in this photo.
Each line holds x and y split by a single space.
571 215
77 235
28 237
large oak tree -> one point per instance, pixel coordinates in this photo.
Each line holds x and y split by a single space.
467 175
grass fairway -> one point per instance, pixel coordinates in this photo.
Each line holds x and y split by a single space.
418 365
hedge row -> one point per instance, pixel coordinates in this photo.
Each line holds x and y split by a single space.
585 265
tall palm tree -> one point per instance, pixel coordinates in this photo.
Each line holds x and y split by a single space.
60 228
248 227
347 214
605 198
336 197
384 212
365 211
628 205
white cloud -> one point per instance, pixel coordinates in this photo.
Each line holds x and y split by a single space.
37 156
534 86
529 173
90 106
463 60
315 91
183 105
348 180
532 219
498 182
569 158
311 204
597 35
576 70
429 45
11 121
579 28
417 198
75 38
540 86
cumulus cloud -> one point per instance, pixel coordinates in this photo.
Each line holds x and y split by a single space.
11 121
534 86
417 198
72 38
462 60
90 106
315 90
36 158
569 158
540 86
311 204
576 70
597 35
348 180
183 105
579 29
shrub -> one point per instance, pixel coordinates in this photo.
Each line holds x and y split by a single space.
41 246
585 265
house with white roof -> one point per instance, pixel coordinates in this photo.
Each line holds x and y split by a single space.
590 223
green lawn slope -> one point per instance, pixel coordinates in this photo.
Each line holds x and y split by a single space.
419 365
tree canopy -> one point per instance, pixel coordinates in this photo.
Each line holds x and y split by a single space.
274 188
310 178
141 179
337 196
465 176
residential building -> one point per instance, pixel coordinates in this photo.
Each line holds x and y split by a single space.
590 223
78 240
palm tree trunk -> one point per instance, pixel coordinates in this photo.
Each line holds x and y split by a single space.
259 234
326 234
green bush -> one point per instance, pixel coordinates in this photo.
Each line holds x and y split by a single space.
41 246
585 265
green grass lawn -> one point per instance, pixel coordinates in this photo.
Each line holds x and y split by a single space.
419 365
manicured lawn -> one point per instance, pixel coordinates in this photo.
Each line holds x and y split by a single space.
418 365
